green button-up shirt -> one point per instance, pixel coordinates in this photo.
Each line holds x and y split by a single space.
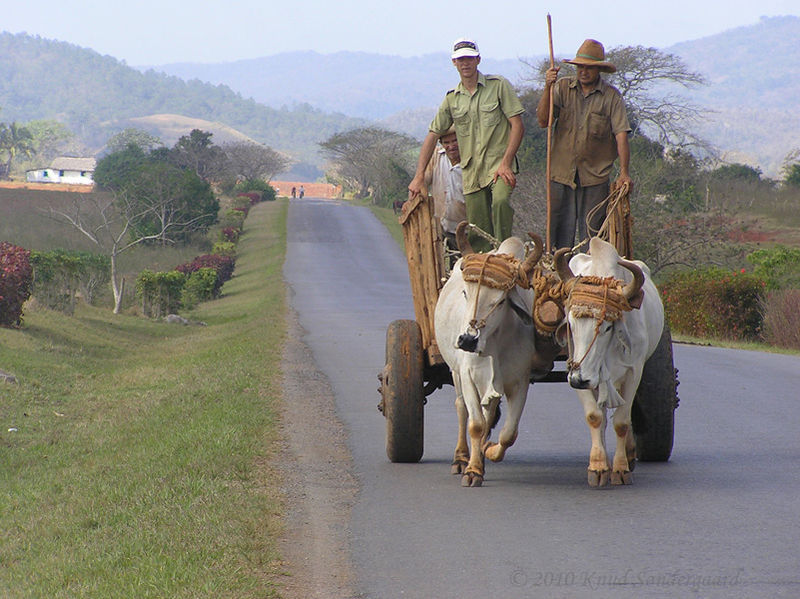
584 133
482 126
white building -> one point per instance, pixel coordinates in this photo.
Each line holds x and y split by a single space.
64 169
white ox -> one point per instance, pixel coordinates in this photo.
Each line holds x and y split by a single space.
485 334
614 322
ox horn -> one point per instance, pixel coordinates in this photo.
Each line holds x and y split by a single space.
462 240
533 257
562 265
632 289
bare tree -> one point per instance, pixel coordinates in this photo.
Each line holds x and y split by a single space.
252 161
645 78
371 159
108 220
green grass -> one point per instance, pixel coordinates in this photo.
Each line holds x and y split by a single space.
139 467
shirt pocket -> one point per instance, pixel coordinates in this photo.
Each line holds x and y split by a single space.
599 126
462 121
490 113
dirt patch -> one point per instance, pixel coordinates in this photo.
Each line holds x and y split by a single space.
319 485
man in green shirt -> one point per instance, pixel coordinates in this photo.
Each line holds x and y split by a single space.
487 117
590 130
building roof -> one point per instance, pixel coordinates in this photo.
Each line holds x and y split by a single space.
67 163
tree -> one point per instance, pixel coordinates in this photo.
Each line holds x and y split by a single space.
14 140
251 161
197 152
645 77
133 136
372 159
151 200
51 139
791 168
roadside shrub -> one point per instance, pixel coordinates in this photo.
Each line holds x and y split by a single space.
224 248
16 277
242 202
266 191
160 292
233 218
59 275
199 287
252 197
778 266
229 234
714 303
781 311
223 265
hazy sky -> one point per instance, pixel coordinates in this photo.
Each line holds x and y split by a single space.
164 31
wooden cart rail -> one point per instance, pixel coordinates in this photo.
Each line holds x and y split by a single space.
424 246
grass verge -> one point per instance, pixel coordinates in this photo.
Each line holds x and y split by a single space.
133 454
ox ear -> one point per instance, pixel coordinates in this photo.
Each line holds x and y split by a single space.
636 301
561 332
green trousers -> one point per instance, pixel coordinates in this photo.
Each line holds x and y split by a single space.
490 210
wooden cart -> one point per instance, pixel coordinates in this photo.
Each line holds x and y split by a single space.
415 368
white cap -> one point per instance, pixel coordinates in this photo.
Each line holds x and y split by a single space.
464 47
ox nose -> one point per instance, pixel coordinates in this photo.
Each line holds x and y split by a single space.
576 381
467 342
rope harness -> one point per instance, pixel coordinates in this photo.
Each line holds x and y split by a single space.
548 305
594 297
496 271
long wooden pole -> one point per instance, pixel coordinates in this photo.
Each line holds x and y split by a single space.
548 247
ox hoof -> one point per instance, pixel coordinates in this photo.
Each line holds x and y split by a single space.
598 479
622 478
471 480
458 467
494 452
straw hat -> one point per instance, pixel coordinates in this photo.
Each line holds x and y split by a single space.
591 53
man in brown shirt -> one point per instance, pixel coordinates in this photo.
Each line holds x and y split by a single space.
590 129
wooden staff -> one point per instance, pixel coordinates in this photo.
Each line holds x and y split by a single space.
549 134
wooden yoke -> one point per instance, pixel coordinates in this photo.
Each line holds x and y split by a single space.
424 245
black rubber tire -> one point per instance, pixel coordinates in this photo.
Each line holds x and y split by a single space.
403 392
653 411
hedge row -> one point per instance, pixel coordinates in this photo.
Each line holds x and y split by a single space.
715 303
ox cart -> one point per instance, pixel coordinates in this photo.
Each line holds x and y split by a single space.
415 368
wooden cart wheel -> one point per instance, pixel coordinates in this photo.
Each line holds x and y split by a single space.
653 415
403 394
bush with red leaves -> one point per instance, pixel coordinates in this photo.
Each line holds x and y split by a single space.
224 266
16 277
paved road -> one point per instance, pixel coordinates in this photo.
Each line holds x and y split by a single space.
721 519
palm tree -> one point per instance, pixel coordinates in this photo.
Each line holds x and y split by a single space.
14 140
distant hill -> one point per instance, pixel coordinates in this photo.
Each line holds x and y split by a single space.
358 84
753 74
97 96
754 89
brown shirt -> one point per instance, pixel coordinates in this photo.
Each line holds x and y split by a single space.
584 132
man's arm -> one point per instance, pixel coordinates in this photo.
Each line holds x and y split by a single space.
624 151
417 186
514 140
543 108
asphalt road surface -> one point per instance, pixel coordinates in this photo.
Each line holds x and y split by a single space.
720 519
